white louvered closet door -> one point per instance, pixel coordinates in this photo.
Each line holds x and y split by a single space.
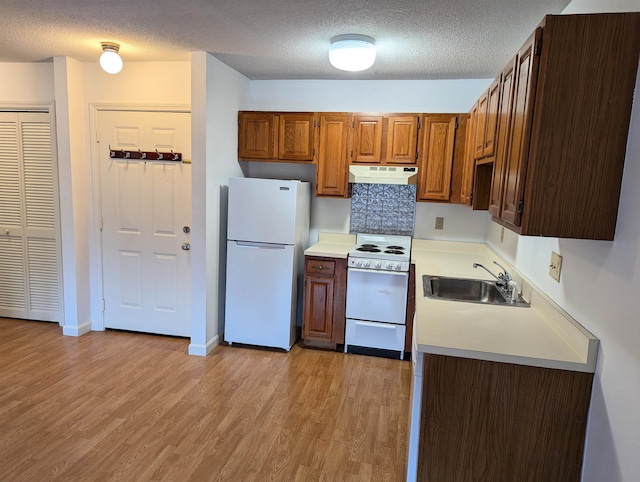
30 273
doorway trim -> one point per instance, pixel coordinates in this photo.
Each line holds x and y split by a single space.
95 259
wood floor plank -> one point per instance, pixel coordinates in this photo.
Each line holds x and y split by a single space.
122 406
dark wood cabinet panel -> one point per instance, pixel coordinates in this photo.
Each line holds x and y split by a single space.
563 157
325 287
518 142
498 422
331 171
436 160
504 124
318 308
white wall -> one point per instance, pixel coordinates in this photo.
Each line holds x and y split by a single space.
75 199
599 287
218 92
26 82
433 96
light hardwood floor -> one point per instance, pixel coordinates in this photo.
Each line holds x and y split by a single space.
122 406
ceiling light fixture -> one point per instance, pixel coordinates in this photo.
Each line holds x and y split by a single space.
110 60
352 52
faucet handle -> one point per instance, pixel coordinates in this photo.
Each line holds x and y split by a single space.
505 274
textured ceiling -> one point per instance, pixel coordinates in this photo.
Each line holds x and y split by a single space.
280 39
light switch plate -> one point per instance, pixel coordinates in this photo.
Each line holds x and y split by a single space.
439 223
555 266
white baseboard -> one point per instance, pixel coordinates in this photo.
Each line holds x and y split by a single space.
80 330
204 350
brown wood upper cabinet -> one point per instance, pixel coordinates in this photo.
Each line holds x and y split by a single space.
296 139
256 135
276 136
436 158
486 122
568 126
385 139
333 150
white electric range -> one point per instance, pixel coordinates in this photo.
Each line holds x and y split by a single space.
377 286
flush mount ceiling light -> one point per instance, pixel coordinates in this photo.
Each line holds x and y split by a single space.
352 52
110 60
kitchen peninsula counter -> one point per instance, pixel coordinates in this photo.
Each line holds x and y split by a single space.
542 335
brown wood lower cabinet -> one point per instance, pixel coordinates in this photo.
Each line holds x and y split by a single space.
325 286
499 422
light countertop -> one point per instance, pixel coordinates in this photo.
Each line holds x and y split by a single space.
332 245
542 335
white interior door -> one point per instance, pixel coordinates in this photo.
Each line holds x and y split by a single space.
146 206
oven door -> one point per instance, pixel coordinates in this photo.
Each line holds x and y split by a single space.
374 295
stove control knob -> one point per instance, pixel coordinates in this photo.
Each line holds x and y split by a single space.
367 263
398 266
378 264
389 265
358 262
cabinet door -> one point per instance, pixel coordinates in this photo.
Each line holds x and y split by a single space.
469 160
402 139
255 135
436 161
491 122
331 172
367 139
480 125
504 131
518 146
318 309
296 137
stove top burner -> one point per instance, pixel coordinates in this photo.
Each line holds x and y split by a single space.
368 248
368 245
394 251
395 247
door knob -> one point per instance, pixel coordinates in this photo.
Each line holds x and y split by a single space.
186 246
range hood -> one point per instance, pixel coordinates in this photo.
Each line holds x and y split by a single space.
383 174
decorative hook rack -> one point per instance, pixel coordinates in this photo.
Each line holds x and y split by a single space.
145 155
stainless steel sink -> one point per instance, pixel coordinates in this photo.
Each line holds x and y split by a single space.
465 289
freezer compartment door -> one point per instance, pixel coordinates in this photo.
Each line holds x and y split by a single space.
263 210
261 295
377 295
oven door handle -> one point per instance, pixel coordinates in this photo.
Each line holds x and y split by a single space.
397 273
377 324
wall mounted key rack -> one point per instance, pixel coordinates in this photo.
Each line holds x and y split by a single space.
145 155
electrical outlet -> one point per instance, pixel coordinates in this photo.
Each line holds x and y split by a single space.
555 266
502 235
439 223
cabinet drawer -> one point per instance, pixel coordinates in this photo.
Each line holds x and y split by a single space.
322 267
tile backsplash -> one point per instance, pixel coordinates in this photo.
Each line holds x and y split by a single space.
383 208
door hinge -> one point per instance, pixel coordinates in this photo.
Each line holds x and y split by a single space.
538 47
104 305
314 123
313 152
353 124
101 223
456 123
520 206
418 123
98 136
351 154
416 155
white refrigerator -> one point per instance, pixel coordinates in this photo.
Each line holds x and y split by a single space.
267 233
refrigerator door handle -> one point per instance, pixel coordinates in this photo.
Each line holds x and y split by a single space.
250 244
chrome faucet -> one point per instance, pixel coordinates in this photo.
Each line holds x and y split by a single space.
506 284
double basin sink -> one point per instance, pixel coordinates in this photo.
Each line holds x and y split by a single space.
467 290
